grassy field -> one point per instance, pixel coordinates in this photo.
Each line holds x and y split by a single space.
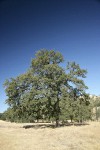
14 137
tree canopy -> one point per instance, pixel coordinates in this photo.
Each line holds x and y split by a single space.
47 91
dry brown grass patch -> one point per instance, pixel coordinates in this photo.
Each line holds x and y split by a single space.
14 137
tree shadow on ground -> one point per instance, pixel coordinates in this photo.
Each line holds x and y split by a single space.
42 126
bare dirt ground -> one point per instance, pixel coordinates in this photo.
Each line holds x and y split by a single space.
14 137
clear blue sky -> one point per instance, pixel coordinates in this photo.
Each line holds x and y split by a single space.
69 26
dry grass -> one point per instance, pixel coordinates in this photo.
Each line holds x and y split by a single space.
13 137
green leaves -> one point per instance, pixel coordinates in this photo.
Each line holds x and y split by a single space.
46 91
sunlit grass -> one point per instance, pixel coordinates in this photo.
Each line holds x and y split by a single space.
14 137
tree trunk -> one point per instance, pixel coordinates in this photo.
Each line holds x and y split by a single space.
71 118
57 122
57 112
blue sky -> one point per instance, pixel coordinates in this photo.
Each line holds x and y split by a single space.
69 26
